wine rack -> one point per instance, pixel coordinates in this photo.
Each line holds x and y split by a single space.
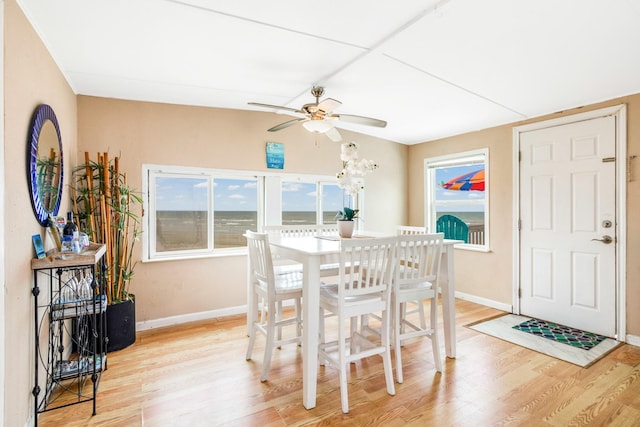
70 321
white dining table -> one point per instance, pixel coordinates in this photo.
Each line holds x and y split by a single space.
312 252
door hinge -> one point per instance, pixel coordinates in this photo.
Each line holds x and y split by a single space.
519 224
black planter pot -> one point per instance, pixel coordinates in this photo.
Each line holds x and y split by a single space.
121 325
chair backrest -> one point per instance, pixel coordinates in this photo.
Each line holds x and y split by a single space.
260 259
302 230
418 258
453 228
291 230
409 229
327 230
377 255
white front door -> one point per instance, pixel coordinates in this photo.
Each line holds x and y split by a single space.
568 224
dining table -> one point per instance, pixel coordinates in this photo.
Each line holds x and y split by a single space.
315 251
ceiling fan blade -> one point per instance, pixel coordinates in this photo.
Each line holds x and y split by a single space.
334 135
361 120
275 107
328 105
285 125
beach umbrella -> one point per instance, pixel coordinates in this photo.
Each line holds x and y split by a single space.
471 181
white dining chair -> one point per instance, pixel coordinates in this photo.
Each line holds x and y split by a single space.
417 306
416 279
272 290
410 229
292 230
357 292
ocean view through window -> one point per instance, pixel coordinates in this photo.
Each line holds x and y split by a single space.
457 185
195 213
302 201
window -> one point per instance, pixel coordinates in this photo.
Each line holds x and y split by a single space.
332 202
193 212
314 202
299 203
458 185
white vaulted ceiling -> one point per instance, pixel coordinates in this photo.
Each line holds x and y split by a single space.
429 68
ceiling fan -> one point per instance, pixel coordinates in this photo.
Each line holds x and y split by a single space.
319 116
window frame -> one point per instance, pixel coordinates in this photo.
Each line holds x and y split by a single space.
269 204
457 159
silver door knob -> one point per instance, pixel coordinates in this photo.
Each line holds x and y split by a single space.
605 239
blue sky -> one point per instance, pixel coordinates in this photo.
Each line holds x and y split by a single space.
177 194
239 194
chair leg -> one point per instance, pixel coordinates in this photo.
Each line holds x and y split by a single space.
353 327
403 313
397 327
434 335
386 356
423 320
268 347
299 320
252 339
321 336
253 330
344 365
278 319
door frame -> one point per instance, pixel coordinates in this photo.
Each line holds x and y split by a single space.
620 114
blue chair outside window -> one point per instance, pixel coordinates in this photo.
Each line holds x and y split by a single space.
453 228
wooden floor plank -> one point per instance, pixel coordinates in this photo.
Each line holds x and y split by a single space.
196 375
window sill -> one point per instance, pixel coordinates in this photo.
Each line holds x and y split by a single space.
222 253
472 248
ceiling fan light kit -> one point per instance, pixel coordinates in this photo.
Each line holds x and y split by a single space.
318 126
319 116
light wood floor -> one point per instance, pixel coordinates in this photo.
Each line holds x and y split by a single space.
197 375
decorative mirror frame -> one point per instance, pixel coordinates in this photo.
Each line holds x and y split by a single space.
43 113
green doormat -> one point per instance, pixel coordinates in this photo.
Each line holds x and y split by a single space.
564 334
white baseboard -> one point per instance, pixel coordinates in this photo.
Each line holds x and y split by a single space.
633 340
242 309
484 301
190 317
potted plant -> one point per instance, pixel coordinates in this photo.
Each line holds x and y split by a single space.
345 221
106 209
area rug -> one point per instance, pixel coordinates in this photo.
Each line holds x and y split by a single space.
560 333
508 328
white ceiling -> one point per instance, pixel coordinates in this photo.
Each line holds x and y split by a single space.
430 68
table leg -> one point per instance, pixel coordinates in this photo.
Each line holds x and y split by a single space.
447 283
310 321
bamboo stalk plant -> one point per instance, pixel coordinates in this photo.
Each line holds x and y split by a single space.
106 209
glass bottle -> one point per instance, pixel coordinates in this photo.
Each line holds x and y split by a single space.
70 227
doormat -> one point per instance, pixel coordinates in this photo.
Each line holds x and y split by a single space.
560 333
503 327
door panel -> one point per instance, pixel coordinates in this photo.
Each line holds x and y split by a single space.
567 192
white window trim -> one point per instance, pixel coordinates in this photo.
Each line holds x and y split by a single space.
269 204
451 160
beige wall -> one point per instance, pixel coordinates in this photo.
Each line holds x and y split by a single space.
31 78
490 275
166 134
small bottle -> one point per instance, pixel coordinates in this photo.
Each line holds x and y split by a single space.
70 227
54 233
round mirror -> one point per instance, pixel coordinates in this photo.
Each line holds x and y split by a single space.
45 164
